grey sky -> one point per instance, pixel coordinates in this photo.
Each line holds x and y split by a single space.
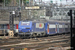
58 1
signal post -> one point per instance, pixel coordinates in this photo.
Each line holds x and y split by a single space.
13 14
11 23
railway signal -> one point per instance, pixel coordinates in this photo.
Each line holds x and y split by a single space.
13 14
11 23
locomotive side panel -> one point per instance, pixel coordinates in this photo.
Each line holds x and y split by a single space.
38 28
33 29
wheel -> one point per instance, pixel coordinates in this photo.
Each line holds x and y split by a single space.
43 34
21 36
34 35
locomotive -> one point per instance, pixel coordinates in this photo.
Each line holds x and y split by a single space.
42 27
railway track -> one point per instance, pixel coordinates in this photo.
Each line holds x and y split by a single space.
58 40
35 40
63 43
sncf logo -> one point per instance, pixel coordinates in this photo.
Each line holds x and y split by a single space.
40 25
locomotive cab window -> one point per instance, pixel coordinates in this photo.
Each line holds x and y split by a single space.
25 23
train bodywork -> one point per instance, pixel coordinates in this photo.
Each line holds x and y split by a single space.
6 28
15 28
2 28
42 28
32 28
55 27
